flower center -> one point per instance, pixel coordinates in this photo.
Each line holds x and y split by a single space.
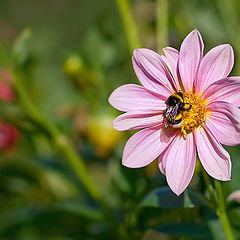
195 116
184 110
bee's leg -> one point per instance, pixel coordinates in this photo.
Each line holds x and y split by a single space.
165 122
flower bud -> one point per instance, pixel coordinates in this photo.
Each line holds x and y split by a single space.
101 133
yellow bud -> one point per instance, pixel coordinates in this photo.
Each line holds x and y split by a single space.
73 65
102 134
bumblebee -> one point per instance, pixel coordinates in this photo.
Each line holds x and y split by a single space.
175 105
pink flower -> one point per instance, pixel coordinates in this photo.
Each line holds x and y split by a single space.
234 196
6 90
173 130
8 136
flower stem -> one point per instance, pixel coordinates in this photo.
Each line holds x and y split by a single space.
221 211
60 140
209 187
129 24
162 23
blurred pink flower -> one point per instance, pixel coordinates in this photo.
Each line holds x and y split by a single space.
234 196
6 90
173 130
8 136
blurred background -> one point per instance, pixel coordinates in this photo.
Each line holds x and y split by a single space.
70 55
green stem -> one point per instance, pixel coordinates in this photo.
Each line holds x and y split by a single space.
162 23
221 211
129 24
60 140
209 187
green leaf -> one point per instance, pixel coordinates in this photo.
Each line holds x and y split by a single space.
184 229
80 209
163 197
21 48
216 229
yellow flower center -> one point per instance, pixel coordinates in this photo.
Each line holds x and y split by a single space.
193 117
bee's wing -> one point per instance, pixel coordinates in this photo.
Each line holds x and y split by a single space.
173 112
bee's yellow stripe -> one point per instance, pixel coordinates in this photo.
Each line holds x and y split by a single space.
179 116
177 96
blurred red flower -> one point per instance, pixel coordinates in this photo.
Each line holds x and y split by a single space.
8 136
6 91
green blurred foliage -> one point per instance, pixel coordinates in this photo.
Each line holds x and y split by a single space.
71 55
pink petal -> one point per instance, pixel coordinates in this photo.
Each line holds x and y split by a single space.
162 165
234 196
145 146
191 53
227 90
131 97
152 72
171 60
214 158
6 92
179 161
215 65
224 122
137 120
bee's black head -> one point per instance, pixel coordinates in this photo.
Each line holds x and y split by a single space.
173 101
